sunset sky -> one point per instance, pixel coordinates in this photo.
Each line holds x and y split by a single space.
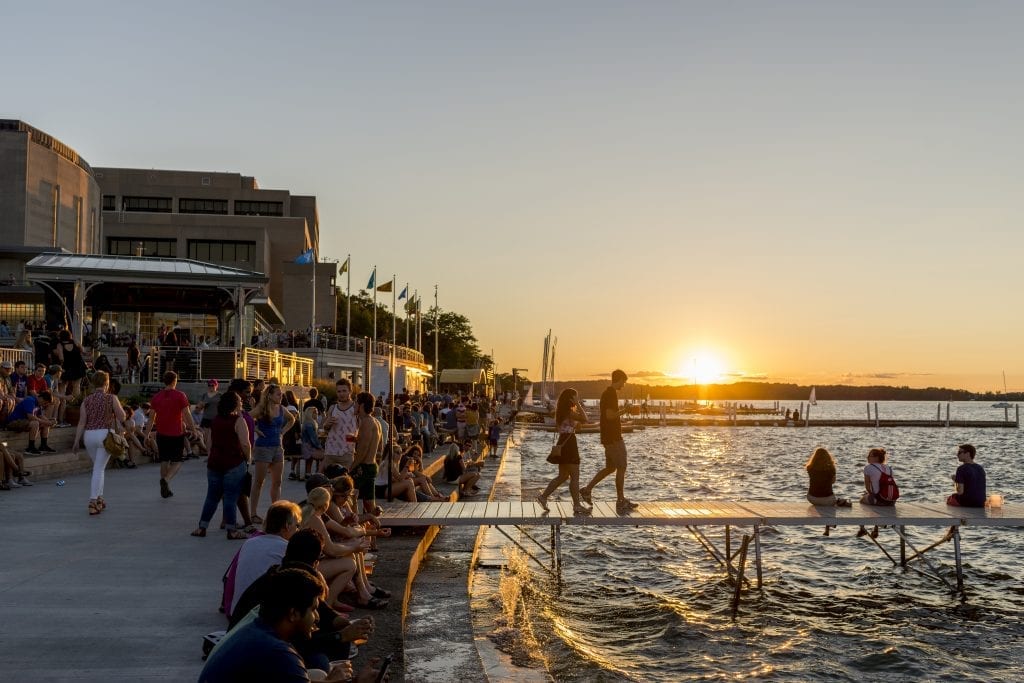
792 191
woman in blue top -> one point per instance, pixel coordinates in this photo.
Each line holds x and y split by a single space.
271 421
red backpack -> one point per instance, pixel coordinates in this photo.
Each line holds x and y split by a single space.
887 488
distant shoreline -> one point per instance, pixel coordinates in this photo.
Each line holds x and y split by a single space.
777 391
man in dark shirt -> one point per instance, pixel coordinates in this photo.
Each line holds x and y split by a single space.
969 479
614 446
262 650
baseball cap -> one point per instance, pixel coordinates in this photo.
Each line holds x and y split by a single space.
212 383
6 365
315 481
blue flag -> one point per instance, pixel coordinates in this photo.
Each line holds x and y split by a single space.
305 257
373 280
405 293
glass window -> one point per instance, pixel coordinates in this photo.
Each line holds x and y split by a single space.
206 206
109 202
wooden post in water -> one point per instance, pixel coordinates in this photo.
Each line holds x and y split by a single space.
1006 413
1017 409
868 406
947 413
938 412
876 413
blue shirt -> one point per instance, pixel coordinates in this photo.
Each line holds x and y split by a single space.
972 476
27 407
254 653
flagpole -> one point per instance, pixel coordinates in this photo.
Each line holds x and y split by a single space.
392 436
406 290
437 334
373 346
419 321
312 315
348 299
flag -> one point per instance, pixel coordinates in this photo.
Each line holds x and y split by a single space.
386 287
344 266
373 280
305 257
404 294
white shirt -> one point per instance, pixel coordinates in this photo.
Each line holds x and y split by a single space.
254 559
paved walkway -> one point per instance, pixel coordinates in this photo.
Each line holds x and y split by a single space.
126 595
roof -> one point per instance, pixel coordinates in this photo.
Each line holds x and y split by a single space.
57 266
463 376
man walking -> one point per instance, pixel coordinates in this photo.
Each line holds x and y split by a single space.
172 419
614 446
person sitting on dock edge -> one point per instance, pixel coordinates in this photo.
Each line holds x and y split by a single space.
614 446
969 480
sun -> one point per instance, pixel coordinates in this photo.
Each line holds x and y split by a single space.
701 368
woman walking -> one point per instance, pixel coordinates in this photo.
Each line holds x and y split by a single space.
272 421
568 415
230 454
100 412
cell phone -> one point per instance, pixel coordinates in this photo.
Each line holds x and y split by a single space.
382 673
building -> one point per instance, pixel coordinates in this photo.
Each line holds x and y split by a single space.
49 201
225 219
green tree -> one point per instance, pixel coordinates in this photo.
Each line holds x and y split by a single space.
457 345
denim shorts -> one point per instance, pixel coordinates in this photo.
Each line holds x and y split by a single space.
269 454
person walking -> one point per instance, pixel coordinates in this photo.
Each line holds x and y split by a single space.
71 357
171 419
100 412
568 415
227 465
272 421
614 446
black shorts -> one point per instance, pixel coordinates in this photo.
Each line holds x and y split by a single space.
364 477
171 448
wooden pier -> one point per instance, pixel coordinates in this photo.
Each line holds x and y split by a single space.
814 422
731 554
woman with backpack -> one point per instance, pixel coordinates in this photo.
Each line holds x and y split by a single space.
880 487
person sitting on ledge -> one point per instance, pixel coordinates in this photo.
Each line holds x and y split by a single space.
14 474
262 650
821 470
28 416
872 478
969 480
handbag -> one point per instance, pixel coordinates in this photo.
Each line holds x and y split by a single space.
555 456
114 443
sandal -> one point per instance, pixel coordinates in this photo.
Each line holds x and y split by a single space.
236 535
93 508
101 504
374 603
200 532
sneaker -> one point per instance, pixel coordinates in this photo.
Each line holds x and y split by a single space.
165 490
63 424
47 449
13 485
585 496
24 473
292 476
22 481
543 501
32 450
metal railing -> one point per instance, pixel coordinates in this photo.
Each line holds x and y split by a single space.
196 365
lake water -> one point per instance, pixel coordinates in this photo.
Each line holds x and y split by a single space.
648 603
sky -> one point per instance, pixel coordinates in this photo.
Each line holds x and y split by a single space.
815 192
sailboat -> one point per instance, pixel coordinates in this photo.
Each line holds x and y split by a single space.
812 400
544 405
1002 404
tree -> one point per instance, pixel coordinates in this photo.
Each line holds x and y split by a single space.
457 346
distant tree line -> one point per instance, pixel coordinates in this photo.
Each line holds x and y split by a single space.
771 391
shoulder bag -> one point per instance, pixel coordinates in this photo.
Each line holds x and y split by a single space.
114 443
555 457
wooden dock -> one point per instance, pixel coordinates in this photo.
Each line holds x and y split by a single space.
693 515
768 421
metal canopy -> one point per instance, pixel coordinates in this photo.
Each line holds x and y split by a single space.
54 267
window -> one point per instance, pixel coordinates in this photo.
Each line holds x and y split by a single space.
222 251
109 202
248 208
214 206
128 246
150 204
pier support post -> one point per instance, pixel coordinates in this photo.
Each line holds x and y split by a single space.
757 552
876 413
947 413
959 564
903 546
739 578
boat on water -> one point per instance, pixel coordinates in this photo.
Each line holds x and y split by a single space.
1003 404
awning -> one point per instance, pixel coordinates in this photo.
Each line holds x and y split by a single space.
267 310
463 376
